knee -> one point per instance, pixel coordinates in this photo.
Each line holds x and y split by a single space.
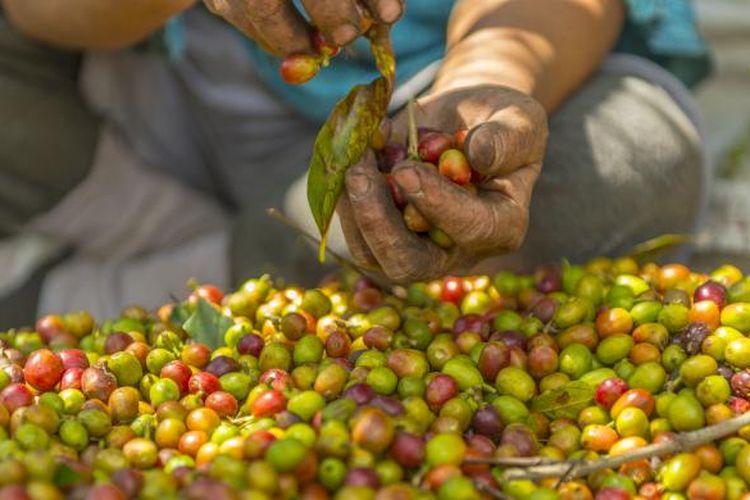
624 164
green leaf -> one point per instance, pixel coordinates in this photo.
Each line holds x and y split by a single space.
566 401
382 51
341 143
180 313
207 325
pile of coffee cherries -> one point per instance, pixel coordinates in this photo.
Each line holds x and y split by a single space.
442 152
348 391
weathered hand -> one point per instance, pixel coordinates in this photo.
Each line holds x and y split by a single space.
506 143
278 27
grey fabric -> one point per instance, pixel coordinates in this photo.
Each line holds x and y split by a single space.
206 118
48 135
46 146
208 121
624 164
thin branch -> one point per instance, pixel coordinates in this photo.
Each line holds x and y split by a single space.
536 468
489 490
413 153
279 216
511 461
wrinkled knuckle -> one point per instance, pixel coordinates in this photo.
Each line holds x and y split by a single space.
400 275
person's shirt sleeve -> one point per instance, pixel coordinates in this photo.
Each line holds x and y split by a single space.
665 31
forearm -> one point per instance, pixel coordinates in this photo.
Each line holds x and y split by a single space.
91 24
544 48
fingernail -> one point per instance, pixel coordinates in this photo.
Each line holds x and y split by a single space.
357 184
390 10
483 147
408 180
344 34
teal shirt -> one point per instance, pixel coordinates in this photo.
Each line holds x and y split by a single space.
661 30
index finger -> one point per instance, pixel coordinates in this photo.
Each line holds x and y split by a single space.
275 25
403 255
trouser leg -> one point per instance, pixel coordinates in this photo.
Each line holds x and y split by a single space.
623 164
47 142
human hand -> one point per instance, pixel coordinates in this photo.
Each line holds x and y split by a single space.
278 27
506 143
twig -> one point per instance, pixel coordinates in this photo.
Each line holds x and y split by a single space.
536 468
512 461
371 273
413 152
483 488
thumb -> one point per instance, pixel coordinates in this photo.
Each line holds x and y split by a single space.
508 141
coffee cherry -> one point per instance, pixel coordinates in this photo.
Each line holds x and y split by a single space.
713 291
98 383
250 344
398 198
414 220
454 166
73 358
609 391
390 156
223 403
323 46
43 369
299 68
432 145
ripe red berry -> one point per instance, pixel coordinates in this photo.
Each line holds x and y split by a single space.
454 165
209 293
116 342
74 358
713 291
15 396
257 443
440 389
204 383
390 155
179 372
71 378
269 403
50 326
398 198
250 344
299 68
433 144
277 379
196 354
612 494
97 383
453 289
223 403
43 369
408 450
460 137
610 391
323 46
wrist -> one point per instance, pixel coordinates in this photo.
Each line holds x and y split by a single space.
489 57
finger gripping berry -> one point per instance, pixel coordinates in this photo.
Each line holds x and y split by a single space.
297 69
